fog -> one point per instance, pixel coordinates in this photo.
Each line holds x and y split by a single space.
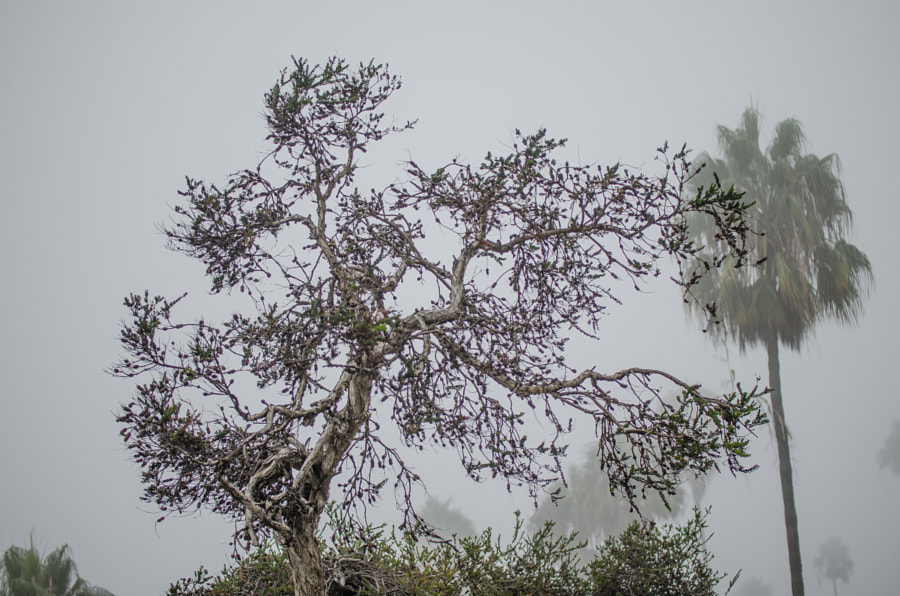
106 106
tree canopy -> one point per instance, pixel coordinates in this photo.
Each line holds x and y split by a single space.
834 562
753 586
447 520
351 319
585 504
808 270
26 572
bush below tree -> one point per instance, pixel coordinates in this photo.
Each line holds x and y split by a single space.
646 559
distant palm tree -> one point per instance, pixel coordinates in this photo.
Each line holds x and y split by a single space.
834 562
889 455
806 271
27 573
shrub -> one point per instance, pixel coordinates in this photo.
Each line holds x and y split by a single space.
651 560
645 560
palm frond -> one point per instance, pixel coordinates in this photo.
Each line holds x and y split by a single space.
802 218
59 570
844 279
789 140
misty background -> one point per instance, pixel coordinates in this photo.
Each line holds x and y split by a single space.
106 106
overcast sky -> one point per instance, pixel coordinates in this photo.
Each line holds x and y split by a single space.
106 106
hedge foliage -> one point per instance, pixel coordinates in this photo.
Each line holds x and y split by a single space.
647 559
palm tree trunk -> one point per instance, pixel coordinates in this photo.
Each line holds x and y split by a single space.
784 461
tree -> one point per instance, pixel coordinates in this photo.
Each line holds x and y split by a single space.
889 455
585 505
261 416
753 587
449 520
808 271
27 573
834 562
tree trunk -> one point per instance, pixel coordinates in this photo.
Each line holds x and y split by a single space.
305 559
304 556
784 460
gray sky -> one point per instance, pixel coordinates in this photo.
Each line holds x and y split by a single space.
106 106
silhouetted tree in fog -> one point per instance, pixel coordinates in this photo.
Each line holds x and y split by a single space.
448 520
889 455
834 562
587 506
348 311
807 270
752 586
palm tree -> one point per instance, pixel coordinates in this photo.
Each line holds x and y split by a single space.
889 455
27 573
806 270
834 562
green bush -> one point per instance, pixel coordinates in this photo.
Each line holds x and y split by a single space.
645 560
540 563
651 560
263 573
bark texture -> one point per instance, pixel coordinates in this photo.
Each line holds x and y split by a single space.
786 472
307 570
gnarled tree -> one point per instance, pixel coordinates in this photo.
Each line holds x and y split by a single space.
333 331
